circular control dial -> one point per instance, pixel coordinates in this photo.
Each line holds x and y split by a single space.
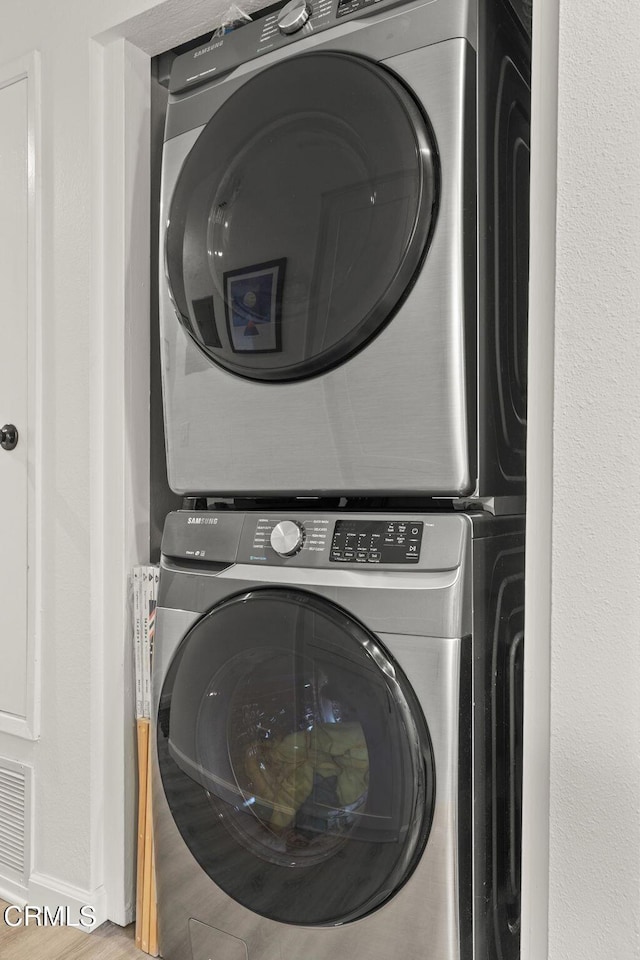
293 16
287 538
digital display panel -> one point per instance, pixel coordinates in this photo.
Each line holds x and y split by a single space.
376 541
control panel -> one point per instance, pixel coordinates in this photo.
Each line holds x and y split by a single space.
298 18
314 540
320 541
376 541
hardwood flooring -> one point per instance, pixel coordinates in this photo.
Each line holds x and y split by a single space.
108 942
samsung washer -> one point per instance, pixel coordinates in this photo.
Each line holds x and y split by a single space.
338 722
344 253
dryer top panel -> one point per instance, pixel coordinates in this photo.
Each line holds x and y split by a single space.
429 22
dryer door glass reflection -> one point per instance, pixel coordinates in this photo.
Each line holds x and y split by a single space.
295 758
300 216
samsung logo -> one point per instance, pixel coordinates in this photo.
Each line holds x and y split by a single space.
212 46
202 520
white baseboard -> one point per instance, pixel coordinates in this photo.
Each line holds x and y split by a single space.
13 893
46 891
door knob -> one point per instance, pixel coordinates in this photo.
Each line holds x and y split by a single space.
8 436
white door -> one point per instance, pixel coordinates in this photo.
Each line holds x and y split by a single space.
16 170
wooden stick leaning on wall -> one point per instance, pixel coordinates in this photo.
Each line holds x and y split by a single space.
145 579
148 884
153 911
143 767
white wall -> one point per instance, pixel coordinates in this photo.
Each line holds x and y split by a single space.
595 667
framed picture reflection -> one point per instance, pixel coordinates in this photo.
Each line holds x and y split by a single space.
253 307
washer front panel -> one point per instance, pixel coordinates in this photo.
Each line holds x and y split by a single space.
424 911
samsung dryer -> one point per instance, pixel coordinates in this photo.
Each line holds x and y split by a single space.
338 723
344 266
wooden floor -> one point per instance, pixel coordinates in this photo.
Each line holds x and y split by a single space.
108 942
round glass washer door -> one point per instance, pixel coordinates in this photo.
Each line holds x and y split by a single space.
301 216
295 758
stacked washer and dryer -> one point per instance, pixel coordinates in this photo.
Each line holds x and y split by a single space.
338 664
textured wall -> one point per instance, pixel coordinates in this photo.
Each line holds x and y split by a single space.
595 700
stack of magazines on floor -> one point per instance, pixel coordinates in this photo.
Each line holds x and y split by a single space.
145 595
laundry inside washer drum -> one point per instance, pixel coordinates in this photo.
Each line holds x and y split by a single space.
303 788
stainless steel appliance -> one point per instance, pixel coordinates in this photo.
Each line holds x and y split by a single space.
343 286
338 703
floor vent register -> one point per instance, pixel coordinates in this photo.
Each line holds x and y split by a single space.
15 828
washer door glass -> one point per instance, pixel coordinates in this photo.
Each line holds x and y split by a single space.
301 216
295 758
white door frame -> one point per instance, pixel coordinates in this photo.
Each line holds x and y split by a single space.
120 424
537 684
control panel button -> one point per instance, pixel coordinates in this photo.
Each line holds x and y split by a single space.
287 538
293 16
377 541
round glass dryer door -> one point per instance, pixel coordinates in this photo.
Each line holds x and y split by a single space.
295 758
301 216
